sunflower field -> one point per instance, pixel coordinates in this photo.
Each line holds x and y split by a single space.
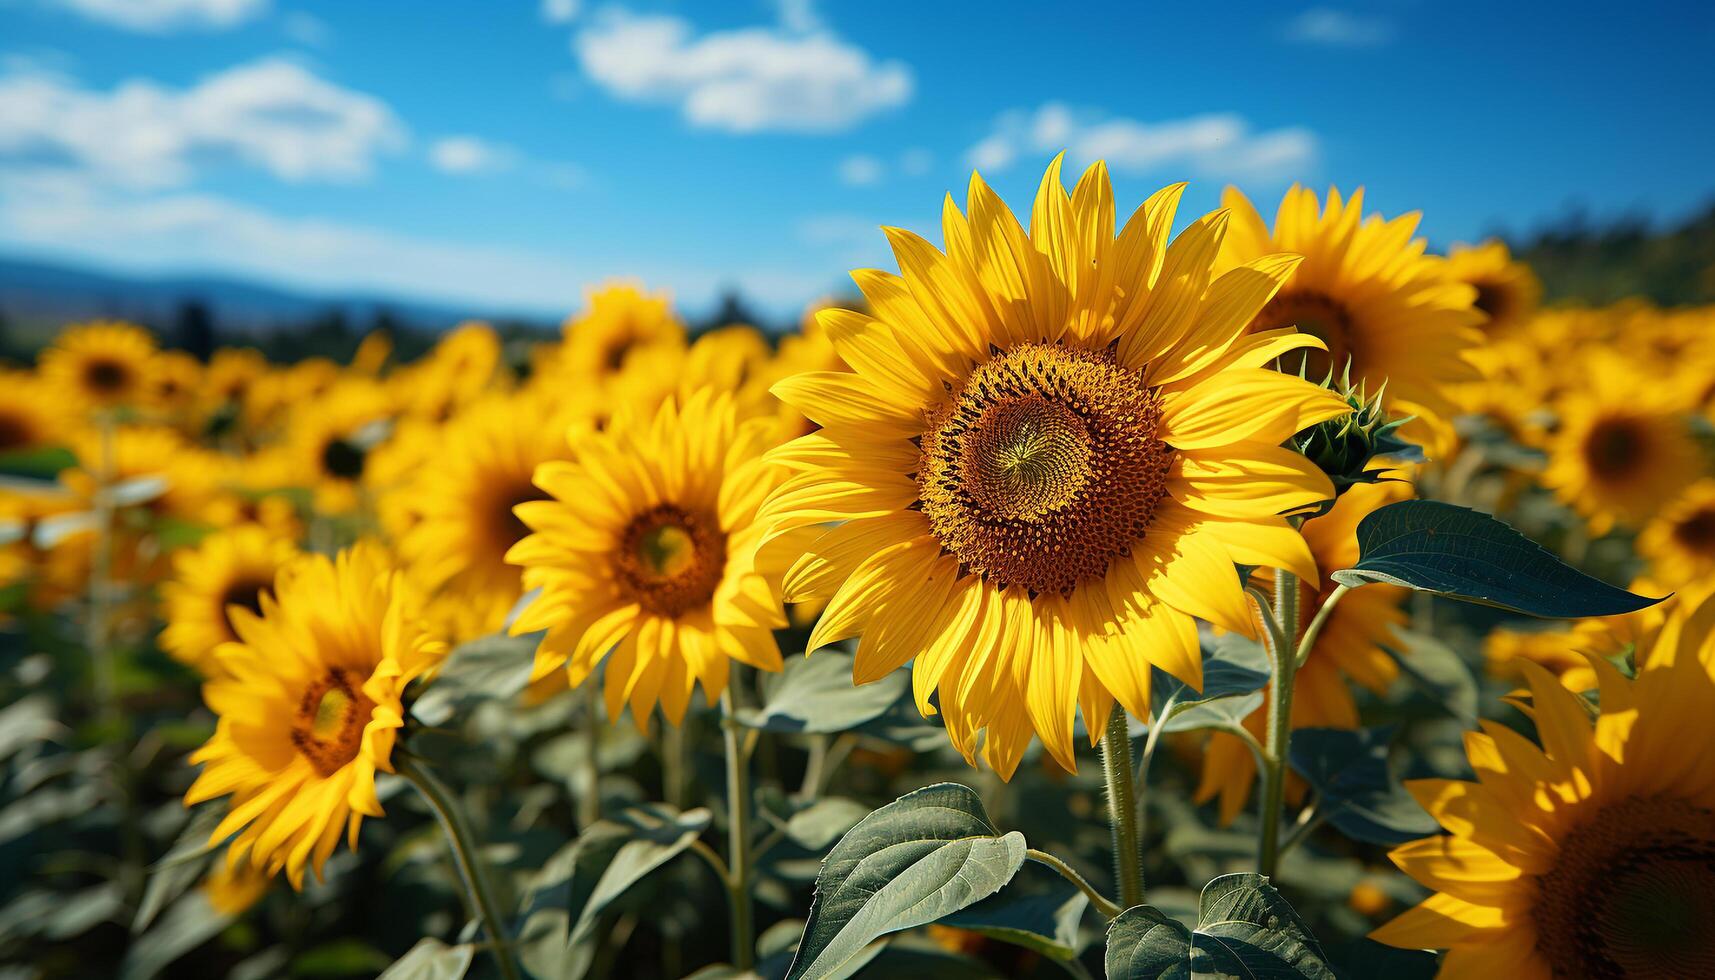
1105 591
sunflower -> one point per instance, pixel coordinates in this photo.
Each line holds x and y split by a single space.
462 520
231 372
309 706
1348 650
28 419
1680 541
1507 290
174 386
332 438
461 367
1591 855
226 570
152 470
1623 448
1565 651
1051 450
233 888
622 321
101 365
1367 289
648 549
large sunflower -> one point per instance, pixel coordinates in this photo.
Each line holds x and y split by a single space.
461 521
1507 290
1680 541
226 570
309 706
1623 447
101 365
1051 450
1368 290
1591 854
1348 650
648 550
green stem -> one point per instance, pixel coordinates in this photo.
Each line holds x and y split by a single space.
673 764
1122 809
1100 901
1284 658
478 893
97 632
738 837
1314 630
589 772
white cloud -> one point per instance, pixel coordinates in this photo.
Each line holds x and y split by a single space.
1336 28
306 29
464 155
272 114
560 11
742 81
1215 145
799 16
916 162
861 170
160 16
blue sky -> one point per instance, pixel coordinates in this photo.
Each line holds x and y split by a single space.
509 154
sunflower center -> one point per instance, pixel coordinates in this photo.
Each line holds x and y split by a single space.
1697 532
106 376
331 715
343 459
1321 316
508 529
1493 299
246 593
1632 894
1043 467
1614 448
670 560
15 432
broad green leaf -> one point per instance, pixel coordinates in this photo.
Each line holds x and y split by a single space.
431 959
1434 668
1460 553
492 667
42 463
180 868
1368 958
187 924
565 902
816 694
1245 929
1043 916
1358 795
27 721
1235 670
916 860
822 822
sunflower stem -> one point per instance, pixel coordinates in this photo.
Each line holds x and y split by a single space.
478 893
1122 810
738 837
1066 871
1284 657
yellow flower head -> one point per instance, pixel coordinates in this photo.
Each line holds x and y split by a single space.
28 417
227 570
647 554
621 322
461 367
1369 291
1507 291
1591 851
101 365
1348 650
1052 448
1680 540
309 706
332 438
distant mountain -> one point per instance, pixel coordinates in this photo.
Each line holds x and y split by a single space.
36 295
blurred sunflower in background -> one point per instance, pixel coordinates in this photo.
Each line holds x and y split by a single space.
1507 291
28 419
1370 292
175 388
459 369
309 705
1591 853
226 570
331 439
462 512
1051 451
621 322
1623 447
1348 650
1679 542
647 555
101 365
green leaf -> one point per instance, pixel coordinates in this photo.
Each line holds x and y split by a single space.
1244 929
822 822
42 463
916 860
1043 917
187 924
816 694
431 959
565 902
1434 668
1460 553
1235 670
1358 795
492 667
180 868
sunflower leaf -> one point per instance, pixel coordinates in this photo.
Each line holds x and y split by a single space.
916 860
1235 670
1244 929
431 959
1038 911
816 694
492 667
1462 554
1348 768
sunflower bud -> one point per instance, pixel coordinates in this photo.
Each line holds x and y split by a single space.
1361 447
